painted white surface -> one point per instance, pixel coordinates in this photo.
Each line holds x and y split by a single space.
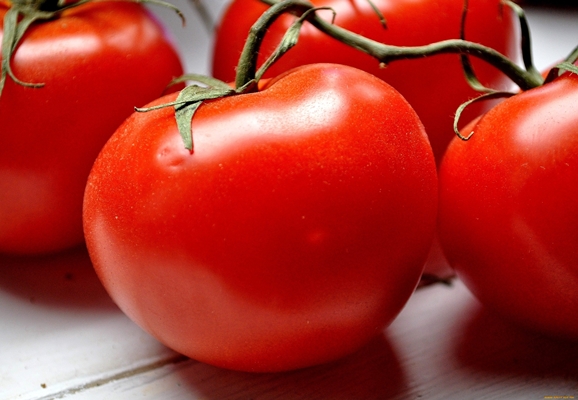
442 346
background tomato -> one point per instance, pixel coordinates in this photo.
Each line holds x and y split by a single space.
295 231
97 62
435 86
508 208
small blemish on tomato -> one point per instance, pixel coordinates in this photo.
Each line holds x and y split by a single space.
168 157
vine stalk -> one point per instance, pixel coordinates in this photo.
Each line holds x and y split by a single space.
525 79
248 73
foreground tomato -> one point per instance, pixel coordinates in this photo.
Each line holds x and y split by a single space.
291 236
435 87
509 208
97 61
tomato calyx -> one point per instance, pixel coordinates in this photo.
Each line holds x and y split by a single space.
189 100
489 93
566 66
21 14
248 75
205 88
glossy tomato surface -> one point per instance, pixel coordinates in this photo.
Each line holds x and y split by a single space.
97 62
508 208
435 86
291 236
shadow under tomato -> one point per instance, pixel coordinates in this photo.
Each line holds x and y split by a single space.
65 279
494 345
374 372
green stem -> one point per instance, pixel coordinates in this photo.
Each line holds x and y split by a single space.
247 66
525 35
387 53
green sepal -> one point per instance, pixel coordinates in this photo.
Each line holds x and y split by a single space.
567 67
191 97
463 106
187 103
203 79
16 22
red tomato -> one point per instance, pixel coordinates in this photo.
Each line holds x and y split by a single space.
435 86
508 207
291 236
97 62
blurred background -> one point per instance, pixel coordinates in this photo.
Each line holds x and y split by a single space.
195 38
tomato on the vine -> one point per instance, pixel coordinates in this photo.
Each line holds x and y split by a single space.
434 86
96 61
291 235
509 207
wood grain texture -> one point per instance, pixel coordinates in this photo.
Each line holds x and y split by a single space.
443 345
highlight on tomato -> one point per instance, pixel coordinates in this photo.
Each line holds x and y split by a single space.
77 71
292 233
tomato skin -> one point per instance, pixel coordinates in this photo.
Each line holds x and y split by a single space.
291 236
435 86
97 61
508 215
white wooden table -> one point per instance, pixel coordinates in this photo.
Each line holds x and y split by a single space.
62 337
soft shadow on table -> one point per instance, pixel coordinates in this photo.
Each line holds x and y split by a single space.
374 372
65 279
494 345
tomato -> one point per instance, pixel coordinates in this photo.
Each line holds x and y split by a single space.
508 208
97 62
434 86
293 233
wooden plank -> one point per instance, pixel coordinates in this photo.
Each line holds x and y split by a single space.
442 346
60 328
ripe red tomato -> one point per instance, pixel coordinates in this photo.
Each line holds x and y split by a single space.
508 207
434 86
291 236
97 62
